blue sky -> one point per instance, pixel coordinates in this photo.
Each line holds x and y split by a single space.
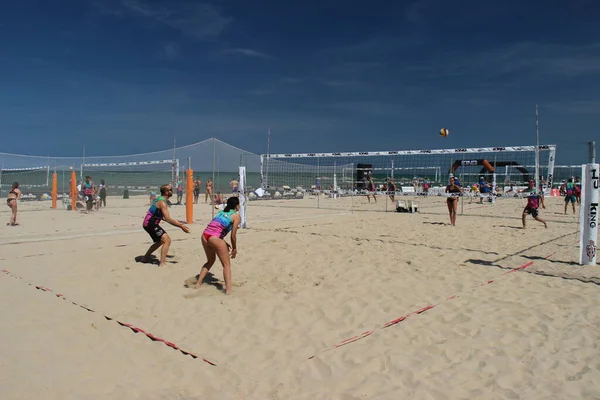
125 76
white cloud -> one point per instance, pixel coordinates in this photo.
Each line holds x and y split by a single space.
371 49
246 53
587 107
293 80
201 21
344 84
432 15
376 108
261 92
356 67
521 60
170 50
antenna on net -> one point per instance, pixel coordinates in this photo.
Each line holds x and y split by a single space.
82 164
267 160
173 172
537 149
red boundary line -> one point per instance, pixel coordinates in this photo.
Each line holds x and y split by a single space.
342 343
417 312
126 325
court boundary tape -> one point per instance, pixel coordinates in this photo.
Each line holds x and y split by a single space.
419 311
134 328
51 238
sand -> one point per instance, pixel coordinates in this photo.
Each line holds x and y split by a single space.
305 280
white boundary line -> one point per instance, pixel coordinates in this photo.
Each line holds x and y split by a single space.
299 218
117 232
54 238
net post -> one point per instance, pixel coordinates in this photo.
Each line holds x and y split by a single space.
550 176
262 174
387 186
592 152
386 193
54 189
494 183
189 194
352 188
212 195
242 196
318 187
73 190
82 163
588 214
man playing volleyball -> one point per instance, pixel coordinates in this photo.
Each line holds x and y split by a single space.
157 212
213 241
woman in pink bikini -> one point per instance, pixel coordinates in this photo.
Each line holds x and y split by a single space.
213 241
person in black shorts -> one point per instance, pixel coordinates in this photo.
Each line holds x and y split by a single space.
534 199
157 212
102 193
452 201
197 183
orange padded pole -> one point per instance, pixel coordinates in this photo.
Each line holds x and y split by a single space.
189 197
54 189
73 191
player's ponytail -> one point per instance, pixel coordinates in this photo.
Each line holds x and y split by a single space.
232 203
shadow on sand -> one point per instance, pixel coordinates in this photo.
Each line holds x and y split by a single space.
208 280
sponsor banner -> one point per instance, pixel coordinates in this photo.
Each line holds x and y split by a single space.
588 221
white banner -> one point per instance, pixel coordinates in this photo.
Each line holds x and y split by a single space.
242 194
588 213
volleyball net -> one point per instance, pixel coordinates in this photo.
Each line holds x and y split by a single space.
322 179
137 173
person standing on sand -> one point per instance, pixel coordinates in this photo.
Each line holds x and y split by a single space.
179 191
391 189
578 190
452 201
209 190
570 195
214 244
157 212
371 189
234 186
88 188
197 184
13 197
102 202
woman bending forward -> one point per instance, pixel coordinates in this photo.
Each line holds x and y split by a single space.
213 241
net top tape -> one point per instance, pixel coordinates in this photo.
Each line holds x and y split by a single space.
412 152
124 164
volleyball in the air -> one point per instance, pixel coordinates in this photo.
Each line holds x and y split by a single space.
444 132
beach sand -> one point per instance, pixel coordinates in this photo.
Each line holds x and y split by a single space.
305 280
